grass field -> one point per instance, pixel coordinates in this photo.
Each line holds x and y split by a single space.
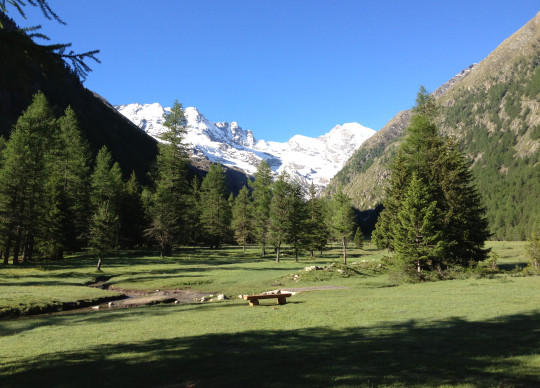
473 332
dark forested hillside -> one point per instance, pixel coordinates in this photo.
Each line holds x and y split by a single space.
493 111
26 67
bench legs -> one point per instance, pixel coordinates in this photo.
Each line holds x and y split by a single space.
254 302
282 300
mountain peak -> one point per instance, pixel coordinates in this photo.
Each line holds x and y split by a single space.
307 159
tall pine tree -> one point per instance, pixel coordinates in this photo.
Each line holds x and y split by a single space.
262 196
278 228
447 186
107 194
67 190
342 220
22 178
241 217
215 211
317 232
168 210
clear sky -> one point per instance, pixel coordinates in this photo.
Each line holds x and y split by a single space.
281 67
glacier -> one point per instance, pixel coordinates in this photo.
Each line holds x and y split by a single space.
306 159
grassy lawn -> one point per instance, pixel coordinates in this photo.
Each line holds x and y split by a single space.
471 332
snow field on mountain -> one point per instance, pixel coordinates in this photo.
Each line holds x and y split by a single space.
306 159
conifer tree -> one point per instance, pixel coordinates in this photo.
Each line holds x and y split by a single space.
447 185
193 220
279 213
359 238
241 217
22 178
417 232
168 210
262 196
215 211
67 190
342 219
132 214
317 232
297 220
395 192
107 193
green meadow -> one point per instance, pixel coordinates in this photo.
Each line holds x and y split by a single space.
481 330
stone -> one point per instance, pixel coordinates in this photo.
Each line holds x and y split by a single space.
96 307
221 297
111 304
341 270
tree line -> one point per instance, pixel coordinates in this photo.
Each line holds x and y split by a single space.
56 199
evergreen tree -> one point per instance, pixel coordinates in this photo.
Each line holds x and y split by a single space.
297 220
279 213
317 232
448 187
215 211
193 220
342 219
107 193
395 192
417 234
169 203
22 178
132 214
532 248
241 217
67 190
262 196
359 238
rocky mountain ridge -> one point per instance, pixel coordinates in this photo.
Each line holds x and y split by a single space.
491 109
306 159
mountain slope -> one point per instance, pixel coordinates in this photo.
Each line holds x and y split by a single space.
492 110
26 68
306 159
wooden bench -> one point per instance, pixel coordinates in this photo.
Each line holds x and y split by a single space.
254 299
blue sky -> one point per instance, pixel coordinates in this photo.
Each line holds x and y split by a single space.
279 67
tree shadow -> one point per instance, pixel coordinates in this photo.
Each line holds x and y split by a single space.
449 352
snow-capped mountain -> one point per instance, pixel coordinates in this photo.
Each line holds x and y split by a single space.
306 159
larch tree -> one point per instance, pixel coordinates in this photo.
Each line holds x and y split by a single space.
241 217
262 196
107 193
317 232
132 215
278 228
297 220
342 219
169 201
215 211
22 178
67 190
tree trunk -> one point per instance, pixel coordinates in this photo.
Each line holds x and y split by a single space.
99 264
277 252
17 247
166 249
296 255
7 249
344 251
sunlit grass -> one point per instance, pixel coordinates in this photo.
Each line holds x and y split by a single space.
467 332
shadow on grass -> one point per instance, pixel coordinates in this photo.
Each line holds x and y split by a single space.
455 351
